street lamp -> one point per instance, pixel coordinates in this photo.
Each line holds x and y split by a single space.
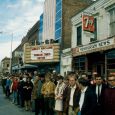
10 51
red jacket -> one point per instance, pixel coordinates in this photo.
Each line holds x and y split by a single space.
15 85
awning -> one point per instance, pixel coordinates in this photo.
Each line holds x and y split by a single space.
26 66
15 67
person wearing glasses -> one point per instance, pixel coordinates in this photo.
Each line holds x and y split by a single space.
109 96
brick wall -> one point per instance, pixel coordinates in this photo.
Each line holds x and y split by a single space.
69 9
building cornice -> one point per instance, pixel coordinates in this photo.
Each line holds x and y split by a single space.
92 10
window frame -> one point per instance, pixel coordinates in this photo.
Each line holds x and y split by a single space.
111 23
78 44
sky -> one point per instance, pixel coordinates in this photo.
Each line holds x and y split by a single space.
16 18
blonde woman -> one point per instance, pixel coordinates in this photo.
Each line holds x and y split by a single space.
59 96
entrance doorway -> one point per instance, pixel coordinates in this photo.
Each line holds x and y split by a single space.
96 63
100 68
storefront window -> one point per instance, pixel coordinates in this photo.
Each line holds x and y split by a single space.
79 63
111 60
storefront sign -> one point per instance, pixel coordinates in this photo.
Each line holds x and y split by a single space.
41 53
96 45
88 23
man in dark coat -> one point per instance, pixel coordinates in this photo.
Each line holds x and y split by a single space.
98 89
70 94
87 98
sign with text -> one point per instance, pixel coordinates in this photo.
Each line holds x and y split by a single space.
96 45
37 54
88 23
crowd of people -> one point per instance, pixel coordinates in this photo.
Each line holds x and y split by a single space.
51 93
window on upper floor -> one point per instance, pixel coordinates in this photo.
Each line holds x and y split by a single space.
40 37
57 1
58 6
58 24
95 31
112 22
58 15
95 25
58 34
79 35
7 65
32 42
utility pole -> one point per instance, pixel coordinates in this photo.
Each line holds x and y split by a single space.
11 54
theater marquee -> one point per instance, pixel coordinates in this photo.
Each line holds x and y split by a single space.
41 53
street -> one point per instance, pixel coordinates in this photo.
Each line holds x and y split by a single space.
7 108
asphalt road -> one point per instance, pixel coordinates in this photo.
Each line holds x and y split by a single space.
7 108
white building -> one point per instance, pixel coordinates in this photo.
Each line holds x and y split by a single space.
93 38
66 61
49 20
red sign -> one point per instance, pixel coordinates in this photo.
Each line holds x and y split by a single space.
88 23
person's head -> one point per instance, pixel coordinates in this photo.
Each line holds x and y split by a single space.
111 79
98 79
35 72
28 79
82 82
42 77
21 78
47 77
37 77
66 80
54 72
84 75
60 78
72 78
